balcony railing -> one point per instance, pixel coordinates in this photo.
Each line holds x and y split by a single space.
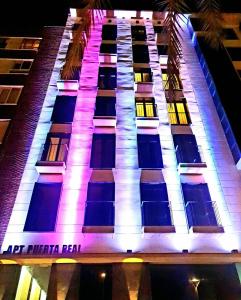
203 217
53 158
164 222
195 164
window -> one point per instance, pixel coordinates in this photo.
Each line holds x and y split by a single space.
186 148
107 78
155 205
142 75
105 106
9 95
198 205
229 34
103 151
178 113
138 33
140 54
165 81
56 147
109 32
3 128
3 42
162 49
30 44
43 207
108 48
145 107
149 151
63 111
159 29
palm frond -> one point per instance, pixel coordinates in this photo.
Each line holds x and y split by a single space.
173 27
81 36
209 13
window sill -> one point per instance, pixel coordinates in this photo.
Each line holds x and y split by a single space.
98 229
159 229
50 167
68 85
192 168
144 87
106 121
206 229
147 122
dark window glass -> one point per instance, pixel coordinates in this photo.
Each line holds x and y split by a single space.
235 53
138 33
186 148
159 29
99 213
107 78
101 191
43 207
103 151
109 32
105 106
140 54
198 205
162 49
63 111
229 34
149 151
108 48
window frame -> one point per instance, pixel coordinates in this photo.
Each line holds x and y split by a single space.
177 113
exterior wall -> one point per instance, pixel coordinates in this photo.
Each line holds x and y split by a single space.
15 153
221 175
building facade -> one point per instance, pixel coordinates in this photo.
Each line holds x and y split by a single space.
125 193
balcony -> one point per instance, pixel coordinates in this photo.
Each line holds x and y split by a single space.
146 115
195 165
70 84
157 217
203 217
53 158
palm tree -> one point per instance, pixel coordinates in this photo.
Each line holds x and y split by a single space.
208 12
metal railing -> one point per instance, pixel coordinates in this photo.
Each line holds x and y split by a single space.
202 214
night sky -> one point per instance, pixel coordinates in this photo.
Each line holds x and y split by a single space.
54 12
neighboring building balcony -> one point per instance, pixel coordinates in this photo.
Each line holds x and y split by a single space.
203 217
70 84
146 114
53 158
105 112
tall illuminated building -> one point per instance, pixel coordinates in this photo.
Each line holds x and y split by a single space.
136 195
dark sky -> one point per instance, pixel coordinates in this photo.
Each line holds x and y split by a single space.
53 12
